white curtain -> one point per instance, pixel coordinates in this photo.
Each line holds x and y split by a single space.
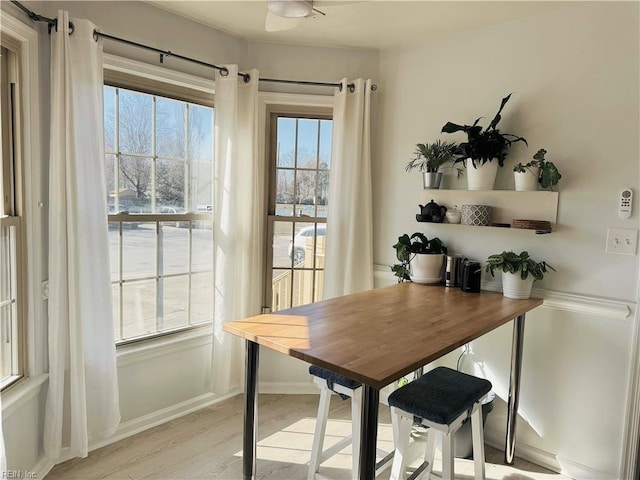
349 259
238 217
82 402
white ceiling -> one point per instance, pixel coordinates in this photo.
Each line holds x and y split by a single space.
373 24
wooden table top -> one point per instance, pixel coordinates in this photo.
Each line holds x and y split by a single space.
379 335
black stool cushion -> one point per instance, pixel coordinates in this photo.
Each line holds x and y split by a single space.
333 378
440 395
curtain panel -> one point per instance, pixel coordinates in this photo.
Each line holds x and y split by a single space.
82 401
349 260
238 219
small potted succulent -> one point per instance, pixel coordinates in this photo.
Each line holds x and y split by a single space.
519 271
536 172
429 157
421 259
485 149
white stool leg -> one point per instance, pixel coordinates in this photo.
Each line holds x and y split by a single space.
401 425
318 436
430 452
478 442
447 456
356 420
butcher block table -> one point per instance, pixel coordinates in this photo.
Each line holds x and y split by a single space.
376 337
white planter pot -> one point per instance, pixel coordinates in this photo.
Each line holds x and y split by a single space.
427 268
481 177
513 286
527 181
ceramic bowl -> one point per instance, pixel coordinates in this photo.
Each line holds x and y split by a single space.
453 216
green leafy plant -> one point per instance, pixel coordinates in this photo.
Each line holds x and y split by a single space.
548 175
429 157
511 262
483 146
407 248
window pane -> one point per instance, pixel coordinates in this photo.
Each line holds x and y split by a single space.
307 143
135 184
175 248
306 188
109 94
284 192
308 244
201 190
200 133
135 121
110 170
115 294
139 251
201 297
170 128
326 132
175 302
282 244
322 193
286 142
170 175
114 250
202 247
281 289
6 336
138 308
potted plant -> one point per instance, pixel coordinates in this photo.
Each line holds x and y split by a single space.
429 157
519 271
485 149
536 172
420 259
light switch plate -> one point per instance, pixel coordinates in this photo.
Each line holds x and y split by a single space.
623 241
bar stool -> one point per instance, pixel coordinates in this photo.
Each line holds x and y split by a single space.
443 399
329 383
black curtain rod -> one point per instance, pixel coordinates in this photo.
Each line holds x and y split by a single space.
52 22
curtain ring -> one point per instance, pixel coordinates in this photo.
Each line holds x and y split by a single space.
224 71
352 87
246 78
72 28
95 34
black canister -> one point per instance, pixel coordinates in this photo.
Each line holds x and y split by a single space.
452 271
471 275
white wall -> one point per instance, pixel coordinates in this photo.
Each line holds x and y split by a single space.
574 74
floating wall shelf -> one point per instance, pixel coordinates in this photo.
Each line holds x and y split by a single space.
507 205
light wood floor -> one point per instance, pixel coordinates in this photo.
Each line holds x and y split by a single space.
208 445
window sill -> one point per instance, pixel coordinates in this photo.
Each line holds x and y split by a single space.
20 393
166 344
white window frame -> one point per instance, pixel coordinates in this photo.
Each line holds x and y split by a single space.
280 103
22 39
134 75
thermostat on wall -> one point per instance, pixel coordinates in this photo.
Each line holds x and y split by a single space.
625 203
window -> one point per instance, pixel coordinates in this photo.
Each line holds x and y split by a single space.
11 227
159 169
300 157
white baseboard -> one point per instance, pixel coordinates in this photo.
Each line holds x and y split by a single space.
140 424
547 460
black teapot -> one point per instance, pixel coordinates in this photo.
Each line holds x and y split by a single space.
431 212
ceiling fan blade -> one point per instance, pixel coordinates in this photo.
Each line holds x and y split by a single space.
275 23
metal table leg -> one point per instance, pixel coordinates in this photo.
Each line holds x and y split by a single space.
368 433
250 412
514 389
